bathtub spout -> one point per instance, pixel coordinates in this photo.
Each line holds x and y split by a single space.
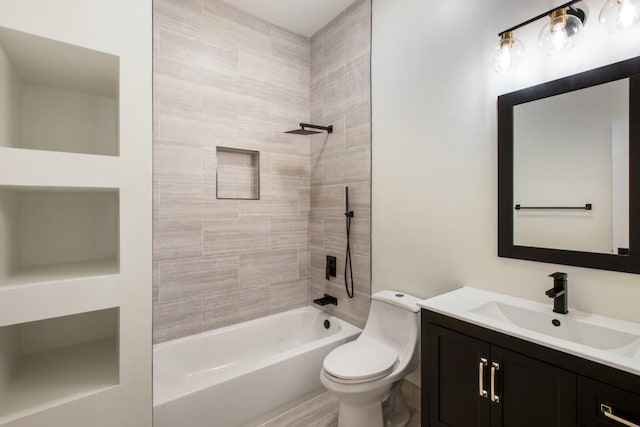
327 299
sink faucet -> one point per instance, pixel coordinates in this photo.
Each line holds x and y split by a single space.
559 293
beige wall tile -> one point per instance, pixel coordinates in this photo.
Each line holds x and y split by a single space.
340 95
289 295
177 319
353 166
226 78
193 202
176 240
295 166
289 47
239 235
189 278
303 264
229 307
186 12
173 161
268 267
358 128
290 233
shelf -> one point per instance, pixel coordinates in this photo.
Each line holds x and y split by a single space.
237 174
61 272
50 235
35 168
54 361
54 377
57 97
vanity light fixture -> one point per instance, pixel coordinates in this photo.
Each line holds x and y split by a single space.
565 22
508 53
559 33
620 15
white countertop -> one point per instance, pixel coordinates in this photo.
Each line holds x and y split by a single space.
461 304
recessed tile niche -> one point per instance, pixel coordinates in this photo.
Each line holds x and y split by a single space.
238 174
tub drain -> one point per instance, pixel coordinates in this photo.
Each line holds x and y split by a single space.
327 324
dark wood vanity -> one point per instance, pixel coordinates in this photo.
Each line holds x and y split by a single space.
473 376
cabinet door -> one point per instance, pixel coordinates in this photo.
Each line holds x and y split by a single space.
600 405
454 380
531 393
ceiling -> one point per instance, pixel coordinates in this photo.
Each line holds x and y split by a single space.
303 17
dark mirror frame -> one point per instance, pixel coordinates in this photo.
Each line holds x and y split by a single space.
625 263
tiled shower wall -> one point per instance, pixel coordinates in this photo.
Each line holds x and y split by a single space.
225 78
341 96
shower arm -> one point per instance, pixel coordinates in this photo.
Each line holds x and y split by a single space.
328 129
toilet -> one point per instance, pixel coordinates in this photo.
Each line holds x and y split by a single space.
367 372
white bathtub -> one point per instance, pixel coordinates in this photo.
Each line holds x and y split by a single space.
244 374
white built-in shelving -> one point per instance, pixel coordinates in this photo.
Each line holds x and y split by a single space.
49 362
60 184
49 235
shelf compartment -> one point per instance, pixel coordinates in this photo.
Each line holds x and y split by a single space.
49 362
238 174
57 97
52 234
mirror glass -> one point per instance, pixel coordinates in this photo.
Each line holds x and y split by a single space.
571 170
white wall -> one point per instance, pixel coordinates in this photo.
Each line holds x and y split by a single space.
435 149
10 103
124 29
567 165
62 120
61 227
9 353
64 331
8 232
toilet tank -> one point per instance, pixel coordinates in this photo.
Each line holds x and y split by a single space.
394 318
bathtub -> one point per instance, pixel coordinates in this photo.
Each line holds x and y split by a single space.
244 374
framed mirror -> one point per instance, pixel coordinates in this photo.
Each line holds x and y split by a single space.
569 170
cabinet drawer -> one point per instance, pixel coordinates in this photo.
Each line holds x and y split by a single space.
601 405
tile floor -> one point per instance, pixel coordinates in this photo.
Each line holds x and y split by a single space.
321 411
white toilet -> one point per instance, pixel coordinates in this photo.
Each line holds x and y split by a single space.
362 373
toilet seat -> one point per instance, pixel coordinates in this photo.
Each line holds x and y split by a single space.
360 361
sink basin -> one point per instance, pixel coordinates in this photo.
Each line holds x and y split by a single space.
606 340
560 326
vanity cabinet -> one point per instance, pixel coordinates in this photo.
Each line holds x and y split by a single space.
601 405
473 376
479 384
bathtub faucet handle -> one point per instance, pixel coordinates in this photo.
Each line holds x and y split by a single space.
327 299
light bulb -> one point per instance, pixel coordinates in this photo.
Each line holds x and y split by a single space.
620 15
507 54
559 39
559 33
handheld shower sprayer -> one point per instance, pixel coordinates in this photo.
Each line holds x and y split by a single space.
348 269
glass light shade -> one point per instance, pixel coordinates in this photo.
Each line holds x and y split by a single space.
558 35
508 54
620 15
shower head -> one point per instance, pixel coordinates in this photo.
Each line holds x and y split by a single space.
303 131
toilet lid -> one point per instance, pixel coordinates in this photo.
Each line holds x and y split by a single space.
361 359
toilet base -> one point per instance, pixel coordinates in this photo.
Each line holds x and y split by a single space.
395 411
367 414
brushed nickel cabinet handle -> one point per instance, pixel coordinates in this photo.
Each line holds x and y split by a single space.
494 368
608 412
483 393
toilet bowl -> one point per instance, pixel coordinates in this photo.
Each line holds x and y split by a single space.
362 373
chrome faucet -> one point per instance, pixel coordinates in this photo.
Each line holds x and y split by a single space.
559 293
